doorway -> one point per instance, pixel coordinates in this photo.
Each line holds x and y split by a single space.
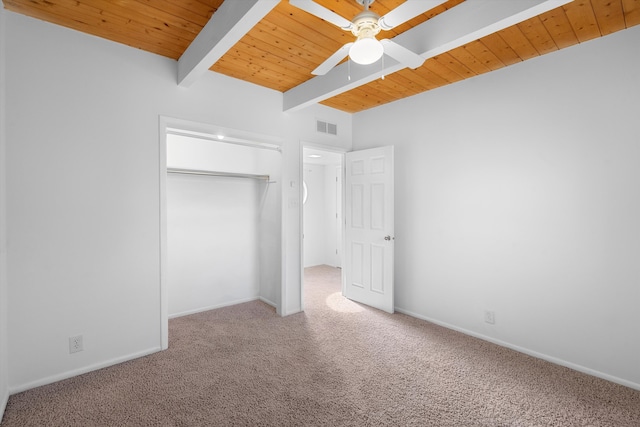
365 222
222 215
322 212
221 218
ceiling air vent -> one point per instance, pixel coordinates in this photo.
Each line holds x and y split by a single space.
324 127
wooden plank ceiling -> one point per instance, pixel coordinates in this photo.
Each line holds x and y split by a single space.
283 48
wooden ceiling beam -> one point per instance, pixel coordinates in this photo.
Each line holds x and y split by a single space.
225 28
462 24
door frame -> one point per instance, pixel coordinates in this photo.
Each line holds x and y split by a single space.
342 152
165 123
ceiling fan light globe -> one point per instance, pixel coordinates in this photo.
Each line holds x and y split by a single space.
366 51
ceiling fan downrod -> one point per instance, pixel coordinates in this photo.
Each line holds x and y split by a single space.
365 3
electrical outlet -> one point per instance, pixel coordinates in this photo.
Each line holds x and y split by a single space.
489 317
75 344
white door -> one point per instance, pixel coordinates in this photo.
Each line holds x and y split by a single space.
369 244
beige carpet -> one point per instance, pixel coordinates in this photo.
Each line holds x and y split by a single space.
338 364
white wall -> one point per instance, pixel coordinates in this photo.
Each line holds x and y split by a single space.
517 192
314 218
189 152
212 234
83 183
4 370
321 233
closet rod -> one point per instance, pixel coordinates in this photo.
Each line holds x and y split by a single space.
214 173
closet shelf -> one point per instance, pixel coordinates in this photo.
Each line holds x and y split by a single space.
216 173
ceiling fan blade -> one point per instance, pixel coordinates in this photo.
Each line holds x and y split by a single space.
322 12
333 60
402 54
406 11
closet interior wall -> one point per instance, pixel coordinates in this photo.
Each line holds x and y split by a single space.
223 231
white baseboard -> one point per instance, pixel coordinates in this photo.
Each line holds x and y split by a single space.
213 307
69 374
3 403
527 351
266 301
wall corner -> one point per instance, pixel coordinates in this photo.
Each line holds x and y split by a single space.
4 369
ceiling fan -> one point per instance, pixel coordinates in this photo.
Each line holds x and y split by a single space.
365 26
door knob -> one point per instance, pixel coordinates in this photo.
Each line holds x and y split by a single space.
388 237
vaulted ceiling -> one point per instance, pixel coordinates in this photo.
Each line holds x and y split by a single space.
283 44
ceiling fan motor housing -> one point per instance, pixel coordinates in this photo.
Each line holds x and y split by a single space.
365 24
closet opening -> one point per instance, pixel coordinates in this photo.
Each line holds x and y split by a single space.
322 217
221 223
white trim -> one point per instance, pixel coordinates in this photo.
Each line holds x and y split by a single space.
268 302
3 403
280 307
213 307
224 138
526 351
211 130
329 148
70 374
164 291
301 222
4 284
